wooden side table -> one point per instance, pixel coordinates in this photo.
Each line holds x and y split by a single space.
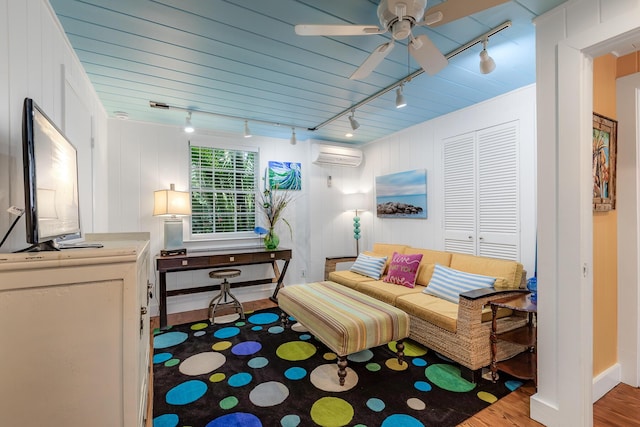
523 365
331 262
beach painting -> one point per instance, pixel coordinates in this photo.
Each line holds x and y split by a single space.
402 195
285 175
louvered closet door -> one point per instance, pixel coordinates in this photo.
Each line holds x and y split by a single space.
498 211
460 194
481 210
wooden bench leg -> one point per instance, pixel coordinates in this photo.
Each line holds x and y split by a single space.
342 368
400 351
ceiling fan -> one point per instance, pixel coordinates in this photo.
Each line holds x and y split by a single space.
399 17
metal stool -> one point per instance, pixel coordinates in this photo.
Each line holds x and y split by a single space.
217 301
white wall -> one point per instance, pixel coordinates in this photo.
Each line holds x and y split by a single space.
567 39
37 61
419 147
146 157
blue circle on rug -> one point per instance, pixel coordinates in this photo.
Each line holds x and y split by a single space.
419 362
263 318
187 392
237 419
290 421
240 379
401 420
169 339
199 333
162 357
295 373
166 420
361 356
258 362
246 348
422 386
513 384
305 337
256 328
276 330
375 404
228 332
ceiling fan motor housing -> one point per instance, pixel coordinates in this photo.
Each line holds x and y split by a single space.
388 11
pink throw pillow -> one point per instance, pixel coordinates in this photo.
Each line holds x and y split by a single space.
403 269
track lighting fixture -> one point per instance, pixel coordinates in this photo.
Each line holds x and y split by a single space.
293 141
400 101
487 64
188 127
247 132
354 123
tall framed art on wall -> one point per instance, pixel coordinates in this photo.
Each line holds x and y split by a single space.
605 138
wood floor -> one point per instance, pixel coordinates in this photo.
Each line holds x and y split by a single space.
618 408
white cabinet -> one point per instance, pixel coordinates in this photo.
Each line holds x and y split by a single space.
74 335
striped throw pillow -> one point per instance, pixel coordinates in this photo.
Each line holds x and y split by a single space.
448 283
369 266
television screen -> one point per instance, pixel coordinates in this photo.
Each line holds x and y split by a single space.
50 180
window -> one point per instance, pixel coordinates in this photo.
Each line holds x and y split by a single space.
223 191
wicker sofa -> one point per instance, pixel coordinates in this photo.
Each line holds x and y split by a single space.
460 332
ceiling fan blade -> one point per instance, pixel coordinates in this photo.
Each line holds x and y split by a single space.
427 54
337 30
453 10
372 61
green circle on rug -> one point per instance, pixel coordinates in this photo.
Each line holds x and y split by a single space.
199 326
411 348
222 345
448 378
229 402
331 412
217 377
296 350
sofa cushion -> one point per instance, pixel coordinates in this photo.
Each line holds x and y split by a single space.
387 249
369 266
510 271
448 283
347 278
387 292
429 259
437 311
403 269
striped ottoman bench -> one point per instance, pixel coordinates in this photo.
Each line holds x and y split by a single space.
345 320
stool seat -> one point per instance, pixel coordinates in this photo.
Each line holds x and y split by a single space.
226 273
225 297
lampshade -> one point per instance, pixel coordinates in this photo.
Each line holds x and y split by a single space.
171 202
355 201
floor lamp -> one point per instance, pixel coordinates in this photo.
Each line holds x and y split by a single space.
356 202
172 204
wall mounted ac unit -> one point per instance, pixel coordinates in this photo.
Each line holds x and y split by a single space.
322 154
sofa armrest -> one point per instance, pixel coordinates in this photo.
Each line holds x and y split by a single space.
470 307
490 292
331 262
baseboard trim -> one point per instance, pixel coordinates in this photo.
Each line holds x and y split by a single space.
606 381
543 412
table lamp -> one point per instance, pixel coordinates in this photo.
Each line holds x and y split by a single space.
171 204
356 202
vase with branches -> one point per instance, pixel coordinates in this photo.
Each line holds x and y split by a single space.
272 204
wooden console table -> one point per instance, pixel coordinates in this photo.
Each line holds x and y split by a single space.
218 259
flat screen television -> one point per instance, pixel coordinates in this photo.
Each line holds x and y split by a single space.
50 165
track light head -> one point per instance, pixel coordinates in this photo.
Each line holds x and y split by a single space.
247 132
188 127
352 120
487 64
400 101
293 140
